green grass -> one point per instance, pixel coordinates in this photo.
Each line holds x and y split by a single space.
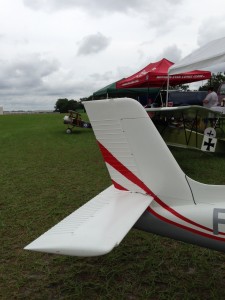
45 175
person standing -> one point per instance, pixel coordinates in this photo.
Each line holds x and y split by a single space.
211 99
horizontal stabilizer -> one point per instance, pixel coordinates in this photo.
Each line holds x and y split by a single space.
96 227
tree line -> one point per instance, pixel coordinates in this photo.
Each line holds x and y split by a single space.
214 81
63 105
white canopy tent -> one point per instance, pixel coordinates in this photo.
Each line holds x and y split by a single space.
211 54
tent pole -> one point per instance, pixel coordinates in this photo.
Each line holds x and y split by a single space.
167 90
148 90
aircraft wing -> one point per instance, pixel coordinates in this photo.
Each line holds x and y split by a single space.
189 111
96 227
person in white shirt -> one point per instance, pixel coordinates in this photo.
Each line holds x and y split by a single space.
211 99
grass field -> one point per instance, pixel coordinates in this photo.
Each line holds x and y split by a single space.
45 175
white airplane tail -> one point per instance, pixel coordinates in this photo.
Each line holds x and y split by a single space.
142 170
136 156
146 178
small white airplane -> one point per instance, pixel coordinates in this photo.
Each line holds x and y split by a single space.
149 192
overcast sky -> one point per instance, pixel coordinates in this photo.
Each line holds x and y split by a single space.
52 49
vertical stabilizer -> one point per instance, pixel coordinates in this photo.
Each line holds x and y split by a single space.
135 154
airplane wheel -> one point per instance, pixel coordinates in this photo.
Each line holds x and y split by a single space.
68 130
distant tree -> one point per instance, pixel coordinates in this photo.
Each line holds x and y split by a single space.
214 81
82 100
80 105
183 87
62 105
72 105
89 98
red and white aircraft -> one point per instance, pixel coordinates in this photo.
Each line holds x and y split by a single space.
149 191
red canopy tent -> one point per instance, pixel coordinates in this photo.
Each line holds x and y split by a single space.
156 74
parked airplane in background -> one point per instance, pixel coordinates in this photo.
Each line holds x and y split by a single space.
190 126
74 120
149 191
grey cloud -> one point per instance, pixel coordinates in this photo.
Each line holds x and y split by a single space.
89 6
107 76
25 74
45 97
93 43
98 7
172 53
34 82
211 29
174 1
162 15
111 76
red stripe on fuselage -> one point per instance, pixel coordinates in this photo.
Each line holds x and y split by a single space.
116 164
214 237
